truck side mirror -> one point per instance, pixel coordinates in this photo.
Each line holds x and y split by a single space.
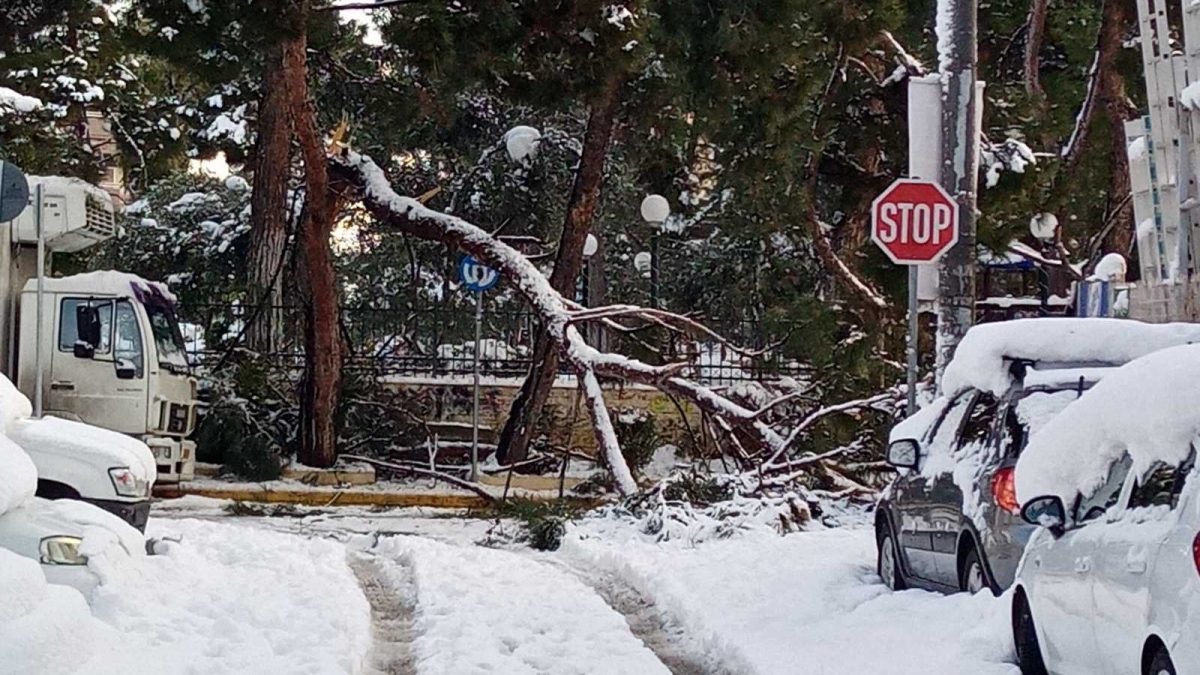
87 327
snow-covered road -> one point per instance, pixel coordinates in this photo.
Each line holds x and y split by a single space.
241 596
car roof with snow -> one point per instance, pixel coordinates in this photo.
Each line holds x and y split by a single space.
994 356
1146 409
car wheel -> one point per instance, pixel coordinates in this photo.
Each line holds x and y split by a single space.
971 577
1029 652
888 565
1161 663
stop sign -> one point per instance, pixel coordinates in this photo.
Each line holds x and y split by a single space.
914 221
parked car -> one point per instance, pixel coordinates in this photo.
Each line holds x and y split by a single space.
950 521
1110 582
61 535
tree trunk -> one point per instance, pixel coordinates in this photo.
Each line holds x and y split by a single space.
323 342
1033 47
513 444
268 206
1118 108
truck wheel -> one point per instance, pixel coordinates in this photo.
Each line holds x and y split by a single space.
888 562
1029 653
1161 663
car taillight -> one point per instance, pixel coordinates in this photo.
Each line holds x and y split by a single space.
1196 551
1004 490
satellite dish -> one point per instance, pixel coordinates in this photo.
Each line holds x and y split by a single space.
14 191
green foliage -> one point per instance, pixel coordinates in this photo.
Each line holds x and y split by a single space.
639 437
228 435
544 523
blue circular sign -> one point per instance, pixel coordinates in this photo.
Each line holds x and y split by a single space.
476 276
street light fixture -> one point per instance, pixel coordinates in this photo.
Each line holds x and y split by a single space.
655 211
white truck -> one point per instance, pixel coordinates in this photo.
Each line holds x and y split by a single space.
114 378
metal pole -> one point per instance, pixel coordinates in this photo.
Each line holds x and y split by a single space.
958 54
475 403
654 271
41 279
913 327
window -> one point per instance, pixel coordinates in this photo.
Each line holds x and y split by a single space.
1098 503
129 338
68 333
1161 485
167 338
978 425
1027 415
948 425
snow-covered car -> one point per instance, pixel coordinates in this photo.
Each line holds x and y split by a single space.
950 521
60 535
1110 581
80 461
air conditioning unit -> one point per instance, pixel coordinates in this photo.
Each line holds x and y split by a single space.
75 215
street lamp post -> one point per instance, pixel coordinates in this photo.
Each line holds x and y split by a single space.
655 211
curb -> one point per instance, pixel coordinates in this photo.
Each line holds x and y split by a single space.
351 497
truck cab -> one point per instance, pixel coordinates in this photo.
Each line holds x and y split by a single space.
115 359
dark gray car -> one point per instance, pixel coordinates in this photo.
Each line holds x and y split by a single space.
951 520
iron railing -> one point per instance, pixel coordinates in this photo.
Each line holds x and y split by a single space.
439 342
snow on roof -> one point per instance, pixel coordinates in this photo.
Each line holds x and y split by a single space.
981 360
101 283
1147 407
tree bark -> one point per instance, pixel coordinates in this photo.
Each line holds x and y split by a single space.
321 387
513 443
1033 48
268 205
1118 108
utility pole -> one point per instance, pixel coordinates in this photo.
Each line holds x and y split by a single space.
957 22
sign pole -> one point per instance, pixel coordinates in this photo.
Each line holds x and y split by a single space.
914 325
475 403
41 279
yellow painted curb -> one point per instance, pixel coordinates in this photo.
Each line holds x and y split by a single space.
349 497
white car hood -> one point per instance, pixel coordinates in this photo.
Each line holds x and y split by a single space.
54 435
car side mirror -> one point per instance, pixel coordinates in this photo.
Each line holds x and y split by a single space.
1048 512
87 327
126 369
904 454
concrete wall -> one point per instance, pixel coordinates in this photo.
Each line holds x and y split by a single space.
451 402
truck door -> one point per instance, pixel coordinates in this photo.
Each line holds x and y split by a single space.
109 389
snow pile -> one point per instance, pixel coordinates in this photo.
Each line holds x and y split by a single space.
231 599
11 101
1137 148
1146 408
488 611
1111 267
18 476
47 628
981 358
809 602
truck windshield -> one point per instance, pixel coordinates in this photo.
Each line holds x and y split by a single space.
167 338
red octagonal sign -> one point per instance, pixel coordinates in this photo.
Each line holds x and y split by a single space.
914 221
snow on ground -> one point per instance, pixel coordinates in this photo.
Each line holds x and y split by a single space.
233 599
809 602
489 611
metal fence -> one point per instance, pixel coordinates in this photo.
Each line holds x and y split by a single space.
439 342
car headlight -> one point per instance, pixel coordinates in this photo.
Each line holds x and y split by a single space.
61 550
126 483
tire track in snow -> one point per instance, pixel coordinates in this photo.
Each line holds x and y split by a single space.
661 633
393 601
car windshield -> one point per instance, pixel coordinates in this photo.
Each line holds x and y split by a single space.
1031 412
167 338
